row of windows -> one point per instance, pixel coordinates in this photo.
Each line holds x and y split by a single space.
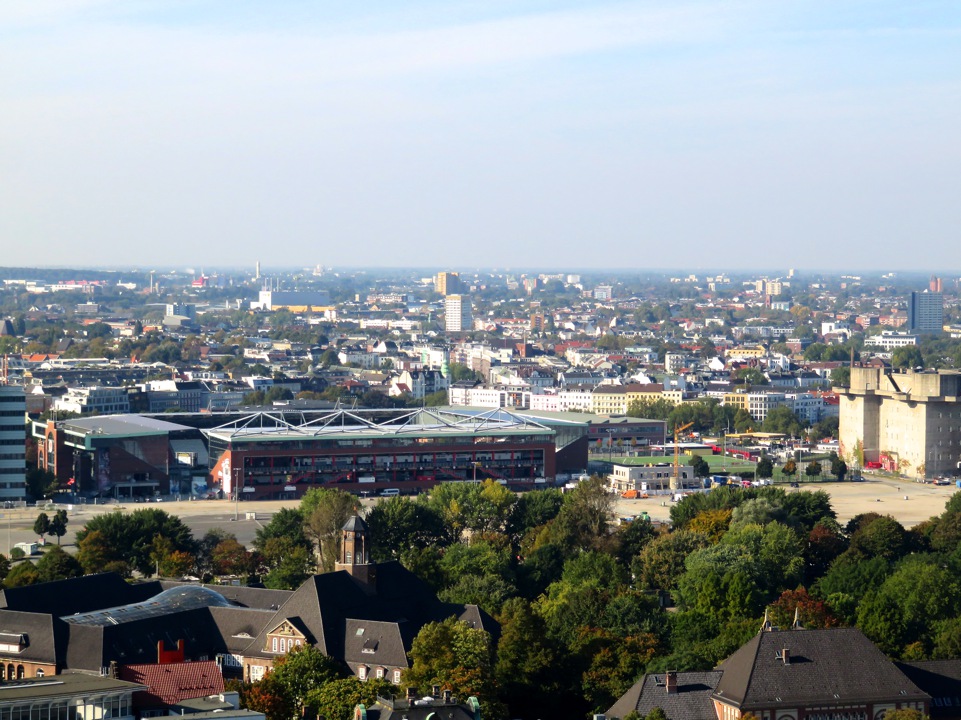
12 456
12 471
282 645
11 413
11 399
12 441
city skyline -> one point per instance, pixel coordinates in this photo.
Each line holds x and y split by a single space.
581 135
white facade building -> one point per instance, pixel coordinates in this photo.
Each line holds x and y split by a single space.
102 400
457 313
888 341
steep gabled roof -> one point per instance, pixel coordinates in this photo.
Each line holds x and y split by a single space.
324 604
39 633
692 701
826 667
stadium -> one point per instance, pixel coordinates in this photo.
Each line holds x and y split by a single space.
265 456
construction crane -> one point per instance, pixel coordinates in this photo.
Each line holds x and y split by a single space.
676 480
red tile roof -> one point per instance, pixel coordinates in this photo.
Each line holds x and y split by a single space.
174 682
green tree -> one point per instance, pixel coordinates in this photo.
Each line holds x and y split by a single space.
908 356
910 605
325 513
41 525
765 468
268 697
750 376
40 483
229 557
456 656
58 525
94 552
790 468
288 563
782 420
286 523
489 592
906 714
526 669
338 698
700 467
841 376
301 670
57 565
661 562
744 421
839 468
813 469
397 524
585 519
130 538
23 573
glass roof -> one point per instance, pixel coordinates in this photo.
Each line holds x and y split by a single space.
178 599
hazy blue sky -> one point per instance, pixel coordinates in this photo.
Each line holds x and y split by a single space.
563 134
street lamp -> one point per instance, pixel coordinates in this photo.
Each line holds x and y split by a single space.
236 493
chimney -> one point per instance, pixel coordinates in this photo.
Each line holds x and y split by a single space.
435 691
785 656
411 694
447 696
670 682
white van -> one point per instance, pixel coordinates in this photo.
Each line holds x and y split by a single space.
390 492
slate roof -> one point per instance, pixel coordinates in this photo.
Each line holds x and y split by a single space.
322 606
355 524
941 679
76 595
238 626
692 701
370 642
92 647
827 667
174 682
40 632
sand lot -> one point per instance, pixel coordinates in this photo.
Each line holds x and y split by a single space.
907 502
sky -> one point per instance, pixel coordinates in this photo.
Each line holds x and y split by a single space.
483 133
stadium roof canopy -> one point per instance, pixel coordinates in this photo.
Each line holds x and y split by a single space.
421 422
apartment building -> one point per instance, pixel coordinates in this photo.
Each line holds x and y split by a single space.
13 467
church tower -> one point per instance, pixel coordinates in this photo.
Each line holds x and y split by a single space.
355 554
